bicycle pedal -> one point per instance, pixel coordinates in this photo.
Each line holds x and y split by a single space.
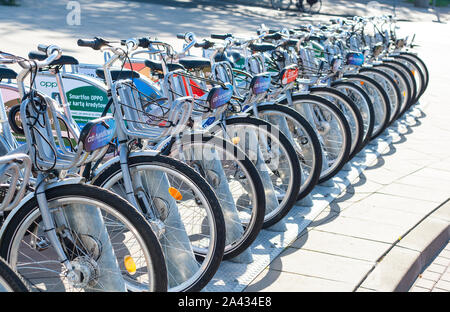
42 243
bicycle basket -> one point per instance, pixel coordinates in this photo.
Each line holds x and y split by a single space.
142 116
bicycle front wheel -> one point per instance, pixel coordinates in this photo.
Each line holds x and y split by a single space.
303 138
185 209
236 181
274 157
364 104
108 243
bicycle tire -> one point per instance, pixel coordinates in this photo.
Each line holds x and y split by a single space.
400 78
12 113
91 194
421 63
288 200
366 111
418 74
410 78
395 108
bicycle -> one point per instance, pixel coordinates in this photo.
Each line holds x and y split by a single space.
66 235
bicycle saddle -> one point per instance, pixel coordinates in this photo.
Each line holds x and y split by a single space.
6 73
117 74
157 66
197 63
63 60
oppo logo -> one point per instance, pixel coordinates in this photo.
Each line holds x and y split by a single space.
48 84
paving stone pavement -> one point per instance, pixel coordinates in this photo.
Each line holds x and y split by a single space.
436 277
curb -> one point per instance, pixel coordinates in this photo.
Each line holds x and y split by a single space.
398 269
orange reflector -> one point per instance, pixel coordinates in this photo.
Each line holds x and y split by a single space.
404 93
236 140
413 72
362 83
175 193
130 265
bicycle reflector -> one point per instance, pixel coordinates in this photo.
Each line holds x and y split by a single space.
175 193
130 265
236 140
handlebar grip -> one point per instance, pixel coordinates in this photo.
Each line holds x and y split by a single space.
222 37
180 36
143 42
274 36
86 43
204 45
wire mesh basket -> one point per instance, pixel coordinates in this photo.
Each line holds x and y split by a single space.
143 116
